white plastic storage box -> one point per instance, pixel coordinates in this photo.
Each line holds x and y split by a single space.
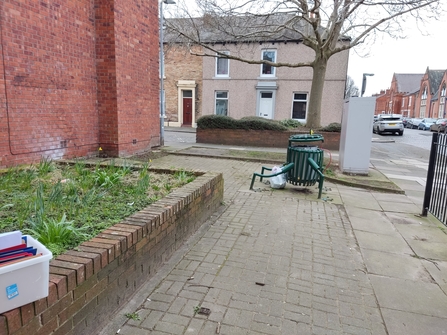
26 281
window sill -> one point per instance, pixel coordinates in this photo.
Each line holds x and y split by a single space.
218 77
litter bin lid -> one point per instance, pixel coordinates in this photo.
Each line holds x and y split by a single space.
306 138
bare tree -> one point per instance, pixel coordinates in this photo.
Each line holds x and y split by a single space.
350 89
327 27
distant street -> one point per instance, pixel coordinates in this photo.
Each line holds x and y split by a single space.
414 144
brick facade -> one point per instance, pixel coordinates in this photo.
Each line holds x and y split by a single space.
77 75
89 284
180 64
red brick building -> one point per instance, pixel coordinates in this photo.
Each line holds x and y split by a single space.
400 97
76 76
429 99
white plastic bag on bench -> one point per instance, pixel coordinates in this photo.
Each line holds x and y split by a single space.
278 181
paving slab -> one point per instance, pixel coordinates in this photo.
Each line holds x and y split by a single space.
395 265
410 296
359 198
391 198
399 207
392 243
370 221
406 323
438 271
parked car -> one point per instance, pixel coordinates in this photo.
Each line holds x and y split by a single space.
439 125
426 123
391 123
413 123
405 121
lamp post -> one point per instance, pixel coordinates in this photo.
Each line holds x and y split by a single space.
162 74
364 82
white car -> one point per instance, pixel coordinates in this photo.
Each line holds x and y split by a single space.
391 123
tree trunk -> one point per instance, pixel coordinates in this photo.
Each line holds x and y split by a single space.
316 93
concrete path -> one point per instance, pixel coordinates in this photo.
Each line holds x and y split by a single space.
284 262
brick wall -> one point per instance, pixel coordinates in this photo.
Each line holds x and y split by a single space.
89 285
76 75
261 138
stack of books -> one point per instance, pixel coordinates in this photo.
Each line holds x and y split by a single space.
14 248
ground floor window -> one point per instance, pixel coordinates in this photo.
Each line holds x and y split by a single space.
221 103
299 106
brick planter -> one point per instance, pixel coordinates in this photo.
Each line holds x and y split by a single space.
261 138
88 285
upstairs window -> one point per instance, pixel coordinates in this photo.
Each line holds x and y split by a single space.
424 97
268 70
443 94
223 65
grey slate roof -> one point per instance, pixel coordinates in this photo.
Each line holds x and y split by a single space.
434 79
279 27
408 82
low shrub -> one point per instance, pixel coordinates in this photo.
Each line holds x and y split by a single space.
257 123
216 122
248 123
291 123
333 127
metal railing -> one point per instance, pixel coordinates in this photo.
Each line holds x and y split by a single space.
435 197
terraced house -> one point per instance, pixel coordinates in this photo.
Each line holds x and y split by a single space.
197 86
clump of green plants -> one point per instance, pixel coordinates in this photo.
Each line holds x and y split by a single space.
332 127
134 316
291 123
63 205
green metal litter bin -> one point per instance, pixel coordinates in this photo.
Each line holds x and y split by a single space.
302 173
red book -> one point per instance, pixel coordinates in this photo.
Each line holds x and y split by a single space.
14 248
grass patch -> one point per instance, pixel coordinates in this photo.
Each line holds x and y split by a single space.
62 205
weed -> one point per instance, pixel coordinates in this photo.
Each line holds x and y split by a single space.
167 187
183 177
143 184
105 178
196 309
45 166
60 233
134 316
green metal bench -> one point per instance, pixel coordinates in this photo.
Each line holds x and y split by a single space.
319 175
311 173
284 169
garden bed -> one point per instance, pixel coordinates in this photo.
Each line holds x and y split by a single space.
91 282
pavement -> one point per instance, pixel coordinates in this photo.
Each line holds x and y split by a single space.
357 261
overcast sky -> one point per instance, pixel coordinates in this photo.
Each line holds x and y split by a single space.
412 55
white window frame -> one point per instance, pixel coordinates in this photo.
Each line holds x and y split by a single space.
228 65
220 98
300 100
273 74
424 97
443 91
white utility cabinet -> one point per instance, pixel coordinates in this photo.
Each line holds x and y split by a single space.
356 135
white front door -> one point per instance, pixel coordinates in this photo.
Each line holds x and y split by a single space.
266 105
